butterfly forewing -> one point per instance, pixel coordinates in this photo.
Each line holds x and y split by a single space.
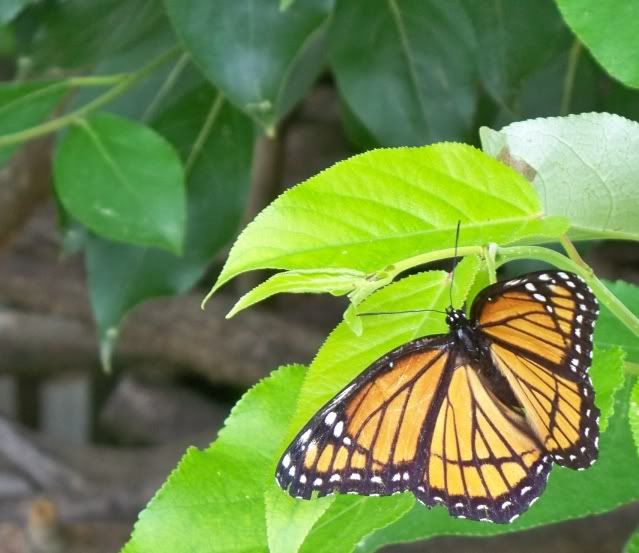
540 328
366 440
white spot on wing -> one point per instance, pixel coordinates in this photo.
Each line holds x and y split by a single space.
286 461
530 286
337 431
330 418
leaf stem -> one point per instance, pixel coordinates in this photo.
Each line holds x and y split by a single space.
167 85
123 84
504 255
569 79
572 251
205 131
95 80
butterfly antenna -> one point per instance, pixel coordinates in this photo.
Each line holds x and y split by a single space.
452 276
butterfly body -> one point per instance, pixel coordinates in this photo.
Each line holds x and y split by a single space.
471 420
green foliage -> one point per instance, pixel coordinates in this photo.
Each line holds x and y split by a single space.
155 196
23 105
609 30
633 414
214 500
129 186
394 204
578 173
609 483
217 180
276 54
9 9
610 331
632 546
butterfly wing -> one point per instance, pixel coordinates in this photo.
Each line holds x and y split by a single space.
539 330
421 419
481 459
366 439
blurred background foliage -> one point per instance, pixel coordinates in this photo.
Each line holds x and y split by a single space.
164 125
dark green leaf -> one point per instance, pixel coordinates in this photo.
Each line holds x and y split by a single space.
121 276
611 482
11 8
393 204
514 40
123 181
79 32
261 57
610 331
584 168
214 500
24 105
151 95
610 31
415 88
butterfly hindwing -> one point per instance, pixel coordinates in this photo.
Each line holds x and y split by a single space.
540 332
366 439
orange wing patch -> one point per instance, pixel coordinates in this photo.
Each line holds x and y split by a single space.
483 462
366 440
541 332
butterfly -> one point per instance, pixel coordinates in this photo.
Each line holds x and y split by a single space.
471 420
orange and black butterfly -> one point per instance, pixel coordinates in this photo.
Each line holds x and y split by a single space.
471 420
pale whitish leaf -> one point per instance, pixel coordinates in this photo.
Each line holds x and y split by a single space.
387 205
337 282
584 167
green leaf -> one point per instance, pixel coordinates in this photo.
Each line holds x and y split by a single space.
341 358
76 33
585 169
289 520
24 105
350 519
521 37
217 184
9 9
610 331
608 378
214 500
608 484
632 545
633 414
337 282
158 90
383 206
609 30
344 355
416 88
123 181
261 57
